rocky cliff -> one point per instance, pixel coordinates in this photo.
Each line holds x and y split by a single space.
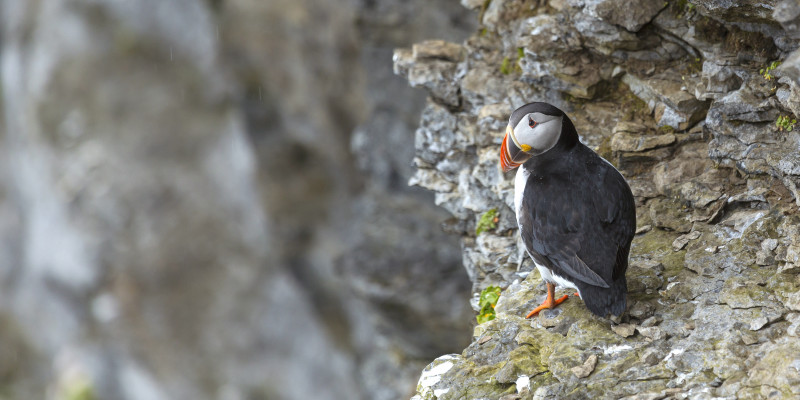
696 103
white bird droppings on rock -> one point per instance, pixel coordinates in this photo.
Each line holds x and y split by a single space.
523 384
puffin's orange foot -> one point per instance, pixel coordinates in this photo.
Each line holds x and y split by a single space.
548 303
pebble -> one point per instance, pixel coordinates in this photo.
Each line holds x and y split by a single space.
582 371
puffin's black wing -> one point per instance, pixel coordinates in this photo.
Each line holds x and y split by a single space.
579 217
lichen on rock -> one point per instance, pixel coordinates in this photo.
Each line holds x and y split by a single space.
672 96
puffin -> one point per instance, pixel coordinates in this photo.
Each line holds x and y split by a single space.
575 211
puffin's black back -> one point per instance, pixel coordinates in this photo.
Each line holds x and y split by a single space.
578 218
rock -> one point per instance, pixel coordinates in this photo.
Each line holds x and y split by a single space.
432 375
631 16
717 80
482 86
753 9
670 215
624 330
437 50
651 356
787 12
764 258
749 196
689 163
664 93
794 328
584 370
472 4
433 65
625 142
681 241
652 332
740 293
602 35
651 321
769 244
792 301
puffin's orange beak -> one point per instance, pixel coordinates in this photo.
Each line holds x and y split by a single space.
511 156
505 158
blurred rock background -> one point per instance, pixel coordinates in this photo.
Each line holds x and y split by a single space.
209 200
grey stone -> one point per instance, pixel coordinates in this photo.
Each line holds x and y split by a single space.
718 80
624 330
665 94
651 356
627 142
630 15
669 215
437 50
582 371
652 332
787 12
602 35
681 241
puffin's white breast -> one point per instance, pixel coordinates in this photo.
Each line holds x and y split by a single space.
519 189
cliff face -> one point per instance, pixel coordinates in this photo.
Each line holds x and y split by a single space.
695 103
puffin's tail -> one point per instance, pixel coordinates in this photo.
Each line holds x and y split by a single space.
604 301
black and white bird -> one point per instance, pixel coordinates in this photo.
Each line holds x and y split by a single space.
575 212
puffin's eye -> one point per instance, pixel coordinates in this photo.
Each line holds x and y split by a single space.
531 122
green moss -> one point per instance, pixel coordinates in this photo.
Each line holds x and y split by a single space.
666 129
673 262
504 66
487 221
783 285
523 360
477 381
510 65
655 243
681 8
79 390
537 338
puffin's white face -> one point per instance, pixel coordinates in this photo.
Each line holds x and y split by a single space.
534 134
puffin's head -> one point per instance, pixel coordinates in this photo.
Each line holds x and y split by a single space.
532 130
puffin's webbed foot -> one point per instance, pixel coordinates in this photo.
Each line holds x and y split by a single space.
549 302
